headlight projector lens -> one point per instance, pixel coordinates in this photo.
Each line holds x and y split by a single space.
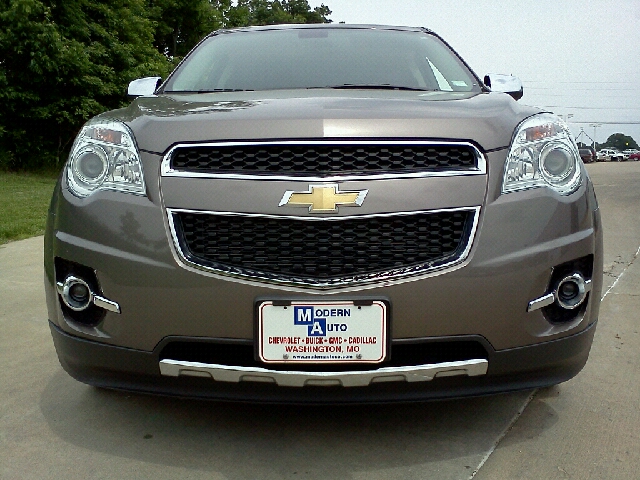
557 163
91 165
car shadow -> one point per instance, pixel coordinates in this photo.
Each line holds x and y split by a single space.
278 441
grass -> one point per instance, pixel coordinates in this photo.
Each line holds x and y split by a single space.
24 201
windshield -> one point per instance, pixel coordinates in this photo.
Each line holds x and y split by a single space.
321 58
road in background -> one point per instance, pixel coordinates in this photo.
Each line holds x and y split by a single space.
54 427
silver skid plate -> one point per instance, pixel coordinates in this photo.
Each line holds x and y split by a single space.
416 373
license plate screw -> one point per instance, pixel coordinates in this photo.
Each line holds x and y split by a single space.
285 356
359 356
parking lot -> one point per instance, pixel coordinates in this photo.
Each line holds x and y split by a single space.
54 427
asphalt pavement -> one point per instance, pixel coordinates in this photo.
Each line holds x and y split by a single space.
52 426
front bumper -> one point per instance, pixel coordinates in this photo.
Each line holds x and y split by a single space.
534 366
125 242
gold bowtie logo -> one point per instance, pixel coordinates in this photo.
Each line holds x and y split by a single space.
323 198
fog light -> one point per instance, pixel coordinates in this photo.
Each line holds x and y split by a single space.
571 291
79 293
76 294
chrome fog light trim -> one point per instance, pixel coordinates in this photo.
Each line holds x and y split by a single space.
582 288
65 292
70 299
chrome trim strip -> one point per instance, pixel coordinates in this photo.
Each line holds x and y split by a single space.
541 302
106 304
359 281
167 171
293 378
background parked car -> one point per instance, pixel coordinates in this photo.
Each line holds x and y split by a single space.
610 155
634 157
588 154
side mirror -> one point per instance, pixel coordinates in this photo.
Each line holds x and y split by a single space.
143 86
508 84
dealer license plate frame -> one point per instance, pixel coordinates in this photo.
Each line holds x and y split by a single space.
378 311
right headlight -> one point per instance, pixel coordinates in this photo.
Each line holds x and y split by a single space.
542 154
105 157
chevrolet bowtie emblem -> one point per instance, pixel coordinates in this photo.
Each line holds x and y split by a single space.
323 198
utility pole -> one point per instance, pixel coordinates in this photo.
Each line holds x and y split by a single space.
595 125
584 134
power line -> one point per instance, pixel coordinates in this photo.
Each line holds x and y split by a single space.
588 82
608 123
635 89
616 109
598 97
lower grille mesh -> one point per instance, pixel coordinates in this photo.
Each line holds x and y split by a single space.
316 252
404 354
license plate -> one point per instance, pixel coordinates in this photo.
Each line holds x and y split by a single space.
322 332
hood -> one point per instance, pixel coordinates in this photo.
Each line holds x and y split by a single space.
158 122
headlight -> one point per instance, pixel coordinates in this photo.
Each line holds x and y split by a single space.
104 157
542 154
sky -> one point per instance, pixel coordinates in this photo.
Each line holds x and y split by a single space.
578 59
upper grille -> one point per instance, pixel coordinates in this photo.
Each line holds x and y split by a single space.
323 253
323 158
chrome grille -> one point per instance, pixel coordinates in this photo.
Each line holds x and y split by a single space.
323 252
324 158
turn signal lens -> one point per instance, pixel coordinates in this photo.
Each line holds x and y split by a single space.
541 132
106 135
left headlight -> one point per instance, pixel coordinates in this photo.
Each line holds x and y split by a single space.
104 157
542 154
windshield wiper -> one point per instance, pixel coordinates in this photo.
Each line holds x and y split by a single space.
212 90
374 86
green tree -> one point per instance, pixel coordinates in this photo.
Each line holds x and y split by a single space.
269 12
62 62
180 24
619 141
